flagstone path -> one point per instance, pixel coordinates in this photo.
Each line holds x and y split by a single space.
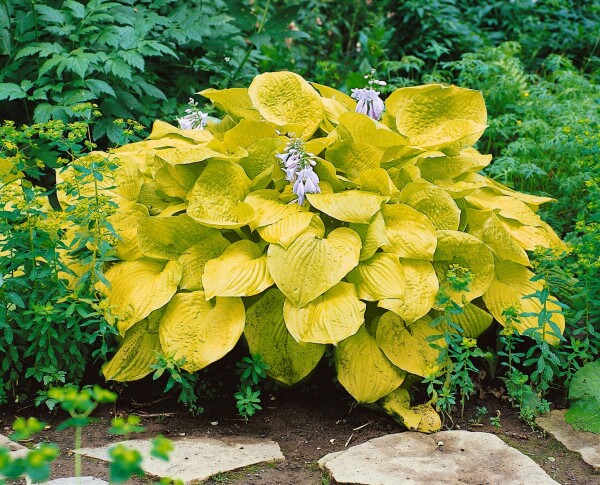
197 459
449 457
583 442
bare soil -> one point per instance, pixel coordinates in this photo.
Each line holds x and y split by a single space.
307 423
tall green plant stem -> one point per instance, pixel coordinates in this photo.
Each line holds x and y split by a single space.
249 48
78 443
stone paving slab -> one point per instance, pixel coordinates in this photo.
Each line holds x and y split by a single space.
583 442
448 457
11 445
77 481
198 458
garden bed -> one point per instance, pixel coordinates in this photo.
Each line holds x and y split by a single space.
307 423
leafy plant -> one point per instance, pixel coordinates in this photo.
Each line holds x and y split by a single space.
179 378
584 397
252 372
80 404
53 324
213 220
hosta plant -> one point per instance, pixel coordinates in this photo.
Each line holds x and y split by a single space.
296 222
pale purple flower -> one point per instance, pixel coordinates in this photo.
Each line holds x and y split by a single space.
298 167
194 119
369 102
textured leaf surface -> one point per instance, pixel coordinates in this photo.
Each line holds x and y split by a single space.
136 354
420 291
584 395
240 271
508 207
422 418
380 277
511 284
269 208
410 233
169 237
267 335
530 237
201 331
364 370
235 102
440 166
372 235
125 223
140 287
216 199
195 258
286 230
459 248
434 202
328 319
311 265
353 158
350 206
436 116
406 345
176 181
285 98
485 225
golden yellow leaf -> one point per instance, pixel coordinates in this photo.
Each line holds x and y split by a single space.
200 330
240 271
265 331
311 265
285 98
364 370
420 291
335 315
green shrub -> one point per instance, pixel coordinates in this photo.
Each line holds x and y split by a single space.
52 324
135 59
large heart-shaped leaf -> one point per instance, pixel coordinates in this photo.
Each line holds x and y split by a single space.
364 370
486 226
240 271
285 98
420 290
409 346
350 206
216 199
312 264
169 237
137 288
285 231
136 354
410 233
328 319
434 202
269 208
440 117
201 331
380 277
265 331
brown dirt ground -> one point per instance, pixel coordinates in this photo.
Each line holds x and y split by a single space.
307 425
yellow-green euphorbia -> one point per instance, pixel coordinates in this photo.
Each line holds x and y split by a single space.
211 217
